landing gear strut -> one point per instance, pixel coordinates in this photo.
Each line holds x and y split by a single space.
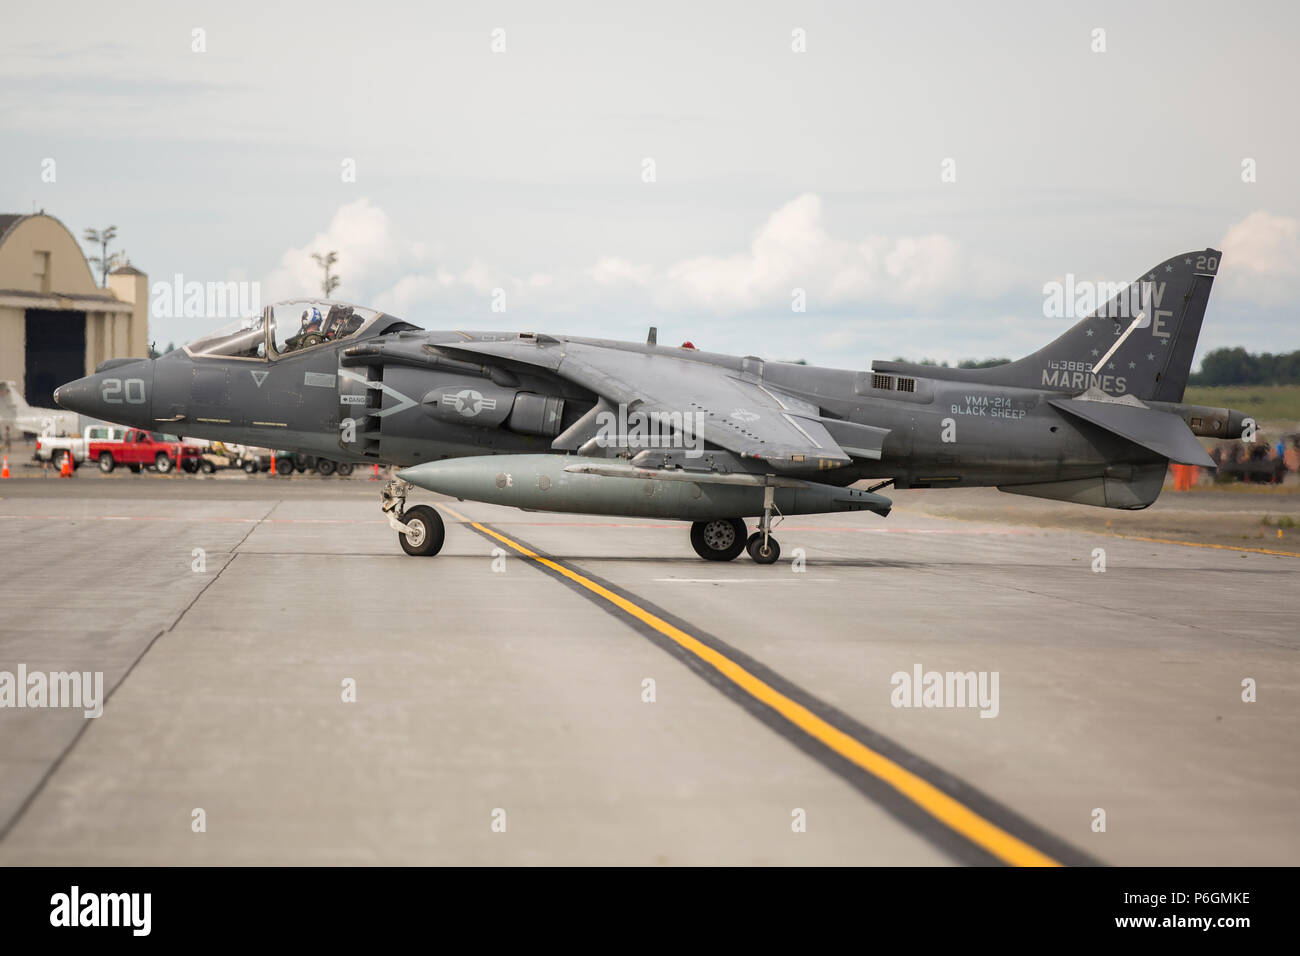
762 547
420 530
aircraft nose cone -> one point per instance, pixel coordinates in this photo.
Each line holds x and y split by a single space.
122 394
77 396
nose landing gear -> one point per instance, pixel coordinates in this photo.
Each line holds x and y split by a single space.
420 530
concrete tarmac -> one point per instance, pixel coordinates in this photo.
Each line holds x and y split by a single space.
503 713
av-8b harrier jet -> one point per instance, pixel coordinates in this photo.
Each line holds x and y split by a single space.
589 426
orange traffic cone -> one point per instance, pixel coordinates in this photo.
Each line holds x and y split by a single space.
272 464
66 470
375 475
4 470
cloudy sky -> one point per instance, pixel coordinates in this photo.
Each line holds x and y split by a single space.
789 146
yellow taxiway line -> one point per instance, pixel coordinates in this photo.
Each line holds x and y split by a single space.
1200 544
948 811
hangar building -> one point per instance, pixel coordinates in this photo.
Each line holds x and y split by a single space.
56 324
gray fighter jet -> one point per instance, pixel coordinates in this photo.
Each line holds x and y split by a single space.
558 423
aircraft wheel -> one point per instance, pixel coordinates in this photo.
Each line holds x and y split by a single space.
425 531
719 540
760 554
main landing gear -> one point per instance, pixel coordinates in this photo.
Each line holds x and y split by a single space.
719 540
420 530
724 538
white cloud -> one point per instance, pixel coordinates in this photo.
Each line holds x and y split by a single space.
611 270
871 297
1261 259
793 249
380 267
371 256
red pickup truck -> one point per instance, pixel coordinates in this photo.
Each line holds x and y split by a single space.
140 449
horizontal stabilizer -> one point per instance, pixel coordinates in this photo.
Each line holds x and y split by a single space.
1161 432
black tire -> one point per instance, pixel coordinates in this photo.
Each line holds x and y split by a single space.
189 466
427 532
344 468
162 463
284 466
324 467
250 467
106 462
760 554
719 540
207 467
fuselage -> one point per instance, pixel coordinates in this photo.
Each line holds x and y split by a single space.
394 398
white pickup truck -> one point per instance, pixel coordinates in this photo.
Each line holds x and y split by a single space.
51 448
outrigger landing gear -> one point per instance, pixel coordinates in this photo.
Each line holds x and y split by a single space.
762 547
420 530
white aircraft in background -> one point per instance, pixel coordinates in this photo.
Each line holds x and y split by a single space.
22 419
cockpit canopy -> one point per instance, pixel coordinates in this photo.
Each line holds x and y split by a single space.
244 339
291 326
301 324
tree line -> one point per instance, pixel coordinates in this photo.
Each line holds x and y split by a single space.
1228 366
1236 366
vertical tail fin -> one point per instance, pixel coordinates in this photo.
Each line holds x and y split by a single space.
1140 342
12 402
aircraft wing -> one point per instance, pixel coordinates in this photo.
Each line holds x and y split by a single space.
735 411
